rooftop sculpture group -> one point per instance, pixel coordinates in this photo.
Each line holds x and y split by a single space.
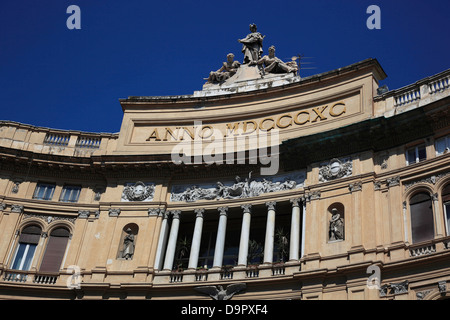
252 49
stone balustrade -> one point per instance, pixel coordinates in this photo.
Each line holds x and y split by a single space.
59 142
415 95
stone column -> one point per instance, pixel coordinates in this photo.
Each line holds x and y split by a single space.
162 242
270 232
439 228
220 240
294 241
303 227
196 239
171 246
245 234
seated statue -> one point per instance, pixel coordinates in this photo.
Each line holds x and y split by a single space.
274 65
227 70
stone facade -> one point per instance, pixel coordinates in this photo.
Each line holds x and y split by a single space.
141 214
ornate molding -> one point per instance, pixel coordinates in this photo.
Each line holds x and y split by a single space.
392 182
176 214
295 202
247 208
223 211
394 288
315 195
271 205
335 169
422 294
83 214
357 186
377 185
159 212
16 208
114 212
199 213
442 285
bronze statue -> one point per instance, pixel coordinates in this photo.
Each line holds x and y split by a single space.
252 45
227 70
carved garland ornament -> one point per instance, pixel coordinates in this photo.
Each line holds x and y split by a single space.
335 169
139 192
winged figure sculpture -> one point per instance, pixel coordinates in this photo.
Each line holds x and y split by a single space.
219 293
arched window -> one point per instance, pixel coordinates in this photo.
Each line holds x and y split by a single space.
422 222
55 250
28 241
446 202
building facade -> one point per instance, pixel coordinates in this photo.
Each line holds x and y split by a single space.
282 187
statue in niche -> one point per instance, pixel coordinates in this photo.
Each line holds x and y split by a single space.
272 64
227 70
252 45
336 226
128 245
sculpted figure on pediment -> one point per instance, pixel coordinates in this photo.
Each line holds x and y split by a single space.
252 45
272 64
227 70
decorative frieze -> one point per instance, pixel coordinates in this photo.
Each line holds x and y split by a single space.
428 180
138 192
240 188
335 169
48 218
394 288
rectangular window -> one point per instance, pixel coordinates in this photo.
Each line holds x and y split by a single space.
70 194
44 191
447 217
416 154
442 145
24 256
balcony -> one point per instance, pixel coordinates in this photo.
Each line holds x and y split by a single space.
225 273
20 276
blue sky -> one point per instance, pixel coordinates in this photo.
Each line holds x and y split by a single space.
54 77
